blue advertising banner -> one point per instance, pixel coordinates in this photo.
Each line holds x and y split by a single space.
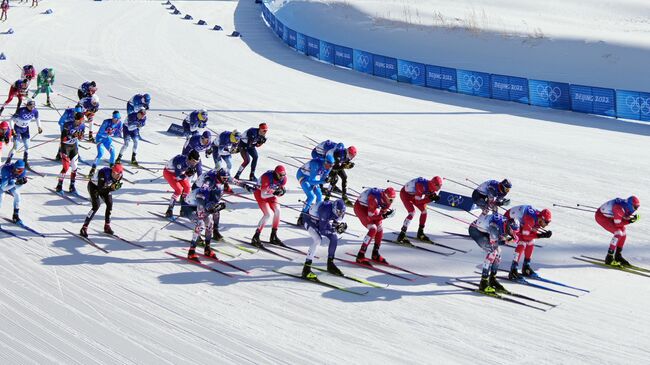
455 200
362 61
379 66
301 43
279 28
633 105
313 47
448 81
510 88
433 77
411 72
292 40
343 56
473 83
549 94
385 67
326 52
285 35
593 100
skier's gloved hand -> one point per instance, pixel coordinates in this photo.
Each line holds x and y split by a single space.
634 218
190 171
503 202
40 130
21 181
249 188
389 213
546 234
433 197
116 185
348 165
341 227
208 152
280 191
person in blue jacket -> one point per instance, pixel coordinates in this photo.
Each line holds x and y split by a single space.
310 177
110 128
131 132
199 143
223 147
12 177
137 101
323 222
250 140
194 121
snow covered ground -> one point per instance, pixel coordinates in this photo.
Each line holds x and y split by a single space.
595 42
64 302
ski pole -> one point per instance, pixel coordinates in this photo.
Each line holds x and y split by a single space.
459 183
72 87
169 116
287 163
472 181
448 215
299 145
311 139
111 96
574 208
71 99
55 108
394 182
587 206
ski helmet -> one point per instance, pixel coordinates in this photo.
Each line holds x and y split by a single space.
94 100
194 155
338 208
388 195
207 135
19 165
116 115
147 98
545 215
634 202
93 84
263 127
202 115
78 108
435 183
222 176
4 125
505 186
352 152
117 169
280 172
329 160
142 110
235 136
30 102
513 224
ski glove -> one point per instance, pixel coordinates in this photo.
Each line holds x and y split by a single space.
280 191
502 202
546 234
21 181
389 213
434 197
341 227
634 218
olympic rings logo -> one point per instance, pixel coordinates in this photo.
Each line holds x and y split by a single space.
638 104
410 71
327 51
549 93
363 60
454 200
473 82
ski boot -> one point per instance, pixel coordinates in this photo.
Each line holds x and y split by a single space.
216 235
59 187
134 162
376 257
170 212
619 258
514 275
252 177
16 217
237 175
84 231
274 238
528 271
90 137
256 239
495 284
227 188
300 221
118 159
609 259
2 109
48 103
92 171
306 271
402 239
191 255
72 189
484 286
421 236
361 258
207 251
335 189
333 269
347 201
107 228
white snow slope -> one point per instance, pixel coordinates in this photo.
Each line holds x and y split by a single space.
63 301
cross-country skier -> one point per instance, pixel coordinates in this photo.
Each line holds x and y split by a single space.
490 231
310 177
72 133
194 121
137 101
323 222
250 140
5 135
198 143
131 132
491 194
12 178
531 221
177 172
19 89
100 188
271 186
110 128
372 207
417 193
342 162
21 121
68 116
208 207
91 106
4 7
28 73
44 84
87 89
223 147
209 180
614 215
328 148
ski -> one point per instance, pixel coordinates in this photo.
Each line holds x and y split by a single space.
392 266
123 240
523 281
202 244
638 268
12 234
370 267
496 296
352 278
457 234
265 249
25 227
508 292
63 195
217 260
87 240
603 264
410 245
323 283
29 167
75 193
148 141
544 280
198 264
288 248
434 243
172 219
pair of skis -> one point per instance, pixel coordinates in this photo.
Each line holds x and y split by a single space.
89 241
506 295
632 269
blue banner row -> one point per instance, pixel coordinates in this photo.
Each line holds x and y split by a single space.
578 98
